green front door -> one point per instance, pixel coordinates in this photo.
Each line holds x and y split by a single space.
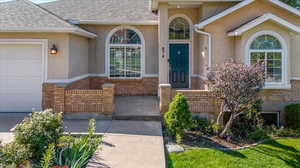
179 65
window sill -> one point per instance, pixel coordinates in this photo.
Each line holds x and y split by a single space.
278 86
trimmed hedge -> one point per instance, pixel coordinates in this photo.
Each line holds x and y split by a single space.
292 113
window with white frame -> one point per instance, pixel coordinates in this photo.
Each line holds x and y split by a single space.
125 50
269 49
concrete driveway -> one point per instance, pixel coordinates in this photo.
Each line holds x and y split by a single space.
126 144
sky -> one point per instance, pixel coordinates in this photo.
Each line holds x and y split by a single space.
36 1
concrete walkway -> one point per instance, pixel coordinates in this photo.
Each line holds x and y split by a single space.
131 144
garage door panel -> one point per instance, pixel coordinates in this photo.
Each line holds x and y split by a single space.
23 68
21 51
21 76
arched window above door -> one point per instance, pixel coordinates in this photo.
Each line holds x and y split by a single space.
179 29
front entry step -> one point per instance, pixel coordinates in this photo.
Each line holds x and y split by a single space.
137 108
137 118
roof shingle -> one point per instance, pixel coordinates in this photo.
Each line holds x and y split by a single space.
103 11
25 16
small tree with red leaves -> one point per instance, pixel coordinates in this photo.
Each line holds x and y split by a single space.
237 86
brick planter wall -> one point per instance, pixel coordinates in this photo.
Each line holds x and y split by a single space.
78 97
83 101
129 87
200 101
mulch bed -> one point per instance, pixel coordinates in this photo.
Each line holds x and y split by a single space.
198 140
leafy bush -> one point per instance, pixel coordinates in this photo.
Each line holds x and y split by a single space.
48 157
237 86
258 135
13 154
202 125
293 116
248 123
178 118
75 152
39 130
282 132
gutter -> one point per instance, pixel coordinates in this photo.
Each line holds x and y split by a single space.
209 45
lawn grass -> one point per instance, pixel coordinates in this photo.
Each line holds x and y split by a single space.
280 153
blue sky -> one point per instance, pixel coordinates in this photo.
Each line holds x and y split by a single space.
36 1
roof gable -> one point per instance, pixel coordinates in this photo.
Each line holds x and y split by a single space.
240 30
25 16
243 4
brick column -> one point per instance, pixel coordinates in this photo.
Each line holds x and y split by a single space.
59 99
165 97
108 98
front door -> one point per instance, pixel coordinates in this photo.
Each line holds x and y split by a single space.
179 65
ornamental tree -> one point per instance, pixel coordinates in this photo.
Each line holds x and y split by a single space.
237 86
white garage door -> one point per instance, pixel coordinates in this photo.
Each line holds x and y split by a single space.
21 77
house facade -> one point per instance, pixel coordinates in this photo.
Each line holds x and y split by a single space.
76 55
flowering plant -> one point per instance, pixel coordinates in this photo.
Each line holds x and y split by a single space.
237 86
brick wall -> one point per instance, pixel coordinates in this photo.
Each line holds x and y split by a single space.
126 87
83 101
201 101
48 95
80 84
78 97
197 83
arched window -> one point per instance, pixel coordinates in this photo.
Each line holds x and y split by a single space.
179 29
269 49
125 51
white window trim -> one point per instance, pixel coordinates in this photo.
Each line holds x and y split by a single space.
190 42
44 54
278 115
107 51
285 84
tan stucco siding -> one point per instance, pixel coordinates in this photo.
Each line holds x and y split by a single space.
58 65
224 47
79 55
97 47
212 8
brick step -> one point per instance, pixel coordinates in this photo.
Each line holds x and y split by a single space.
137 118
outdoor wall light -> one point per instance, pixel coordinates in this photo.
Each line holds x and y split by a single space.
53 50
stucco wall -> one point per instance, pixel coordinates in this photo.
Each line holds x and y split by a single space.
79 55
58 65
212 8
97 47
224 47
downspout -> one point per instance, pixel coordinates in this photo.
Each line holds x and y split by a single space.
209 45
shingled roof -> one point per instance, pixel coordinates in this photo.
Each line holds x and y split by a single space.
104 11
25 16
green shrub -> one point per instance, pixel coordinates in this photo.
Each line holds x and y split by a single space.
13 154
292 113
258 135
178 118
248 124
38 131
282 132
48 157
202 125
75 152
